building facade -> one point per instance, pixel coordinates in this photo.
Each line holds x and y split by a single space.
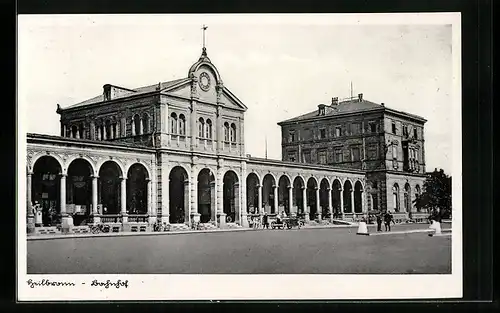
174 152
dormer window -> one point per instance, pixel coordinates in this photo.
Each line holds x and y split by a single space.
321 109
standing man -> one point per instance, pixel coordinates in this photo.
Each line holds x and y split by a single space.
379 222
265 221
388 219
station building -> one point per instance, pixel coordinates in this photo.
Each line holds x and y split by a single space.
174 152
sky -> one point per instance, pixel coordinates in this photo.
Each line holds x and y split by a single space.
280 66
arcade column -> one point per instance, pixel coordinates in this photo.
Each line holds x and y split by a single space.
66 219
30 217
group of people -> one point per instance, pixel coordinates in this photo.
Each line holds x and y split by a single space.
386 218
264 222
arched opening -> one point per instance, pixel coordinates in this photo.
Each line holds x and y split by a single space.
298 197
395 197
233 132
182 124
46 187
173 123
407 198
208 129
231 196
323 198
79 190
145 123
358 199
226 131
417 196
268 185
336 200
252 193
178 196
312 185
201 127
347 197
206 196
109 187
137 189
284 186
137 124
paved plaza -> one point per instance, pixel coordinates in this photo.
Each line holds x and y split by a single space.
304 251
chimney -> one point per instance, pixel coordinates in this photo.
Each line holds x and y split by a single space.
360 97
107 92
382 104
335 100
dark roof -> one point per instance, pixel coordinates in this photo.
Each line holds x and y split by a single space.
349 106
136 91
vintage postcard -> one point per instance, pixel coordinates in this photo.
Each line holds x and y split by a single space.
223 157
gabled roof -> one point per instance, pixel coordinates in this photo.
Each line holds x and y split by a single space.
345 107
134 92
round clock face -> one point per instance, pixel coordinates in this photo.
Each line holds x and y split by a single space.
204 81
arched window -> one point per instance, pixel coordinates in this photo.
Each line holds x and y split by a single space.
226 131
182 124
137 124
74 131
407 198
145 123
173 123
395 197
233 132
208 129
201 127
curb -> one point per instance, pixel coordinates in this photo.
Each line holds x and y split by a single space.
430 231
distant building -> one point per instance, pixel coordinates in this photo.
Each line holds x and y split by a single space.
388 145
174 152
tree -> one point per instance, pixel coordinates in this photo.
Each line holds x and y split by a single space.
436 197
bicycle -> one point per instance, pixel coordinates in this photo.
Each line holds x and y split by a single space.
99 228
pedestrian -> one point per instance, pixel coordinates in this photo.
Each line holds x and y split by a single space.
265 221
387 221
379 222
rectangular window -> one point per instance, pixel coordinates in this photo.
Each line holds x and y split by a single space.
393 127
291 156
355 154
355 129
373 127
372 152
338 131
307 156
322 157
415 135
292 136
338 156
322 133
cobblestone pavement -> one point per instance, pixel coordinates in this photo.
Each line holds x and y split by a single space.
304 251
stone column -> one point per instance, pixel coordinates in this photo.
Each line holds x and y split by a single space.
30 217
165 197
149 191
342 203
352 202
275 193
304 203
187 202
64 130
141 127
330 206
243 193
237 206
290 199
95 213
123 202
221 216
77 133
133 127
104 134
259 204
318 206
66 219
195 216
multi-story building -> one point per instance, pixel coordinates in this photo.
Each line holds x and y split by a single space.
174 152
388 145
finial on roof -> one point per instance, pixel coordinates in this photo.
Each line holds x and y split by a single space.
58 110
